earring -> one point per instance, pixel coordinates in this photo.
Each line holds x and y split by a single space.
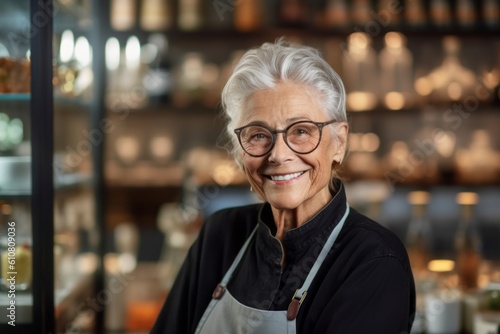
251 189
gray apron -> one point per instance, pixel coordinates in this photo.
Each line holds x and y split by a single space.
225 315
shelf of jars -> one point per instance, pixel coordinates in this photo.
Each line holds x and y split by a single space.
390 72
420 103
331 15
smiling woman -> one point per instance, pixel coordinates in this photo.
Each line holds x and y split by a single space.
302 261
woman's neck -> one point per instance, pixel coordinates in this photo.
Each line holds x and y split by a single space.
287 219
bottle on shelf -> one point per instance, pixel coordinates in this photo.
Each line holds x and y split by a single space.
491 13
443 302
361 12
396 64
335 14
389 13
440 13
123 14
467 243
416 242
248 15
465 13
418 235
155 15
189 16
293 12
414 12
451 80
158 77
360 72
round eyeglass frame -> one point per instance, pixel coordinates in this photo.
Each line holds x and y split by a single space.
284 131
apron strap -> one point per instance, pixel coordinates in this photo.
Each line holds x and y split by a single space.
300 294
237 260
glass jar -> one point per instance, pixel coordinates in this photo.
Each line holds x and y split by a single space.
487 318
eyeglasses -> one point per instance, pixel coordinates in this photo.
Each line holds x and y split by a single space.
301 137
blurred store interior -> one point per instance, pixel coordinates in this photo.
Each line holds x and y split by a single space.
422 81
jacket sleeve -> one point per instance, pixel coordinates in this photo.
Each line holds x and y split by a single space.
376 298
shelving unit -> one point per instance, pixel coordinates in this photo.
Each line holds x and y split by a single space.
61 206
215 43
171 136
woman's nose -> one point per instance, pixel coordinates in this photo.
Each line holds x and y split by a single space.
280 151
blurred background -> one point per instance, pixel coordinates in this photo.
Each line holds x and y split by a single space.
138 156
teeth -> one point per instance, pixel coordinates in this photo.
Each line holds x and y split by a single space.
285 177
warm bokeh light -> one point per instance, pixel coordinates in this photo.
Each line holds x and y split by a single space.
161 147
359 40
418 197
370 142
423 86
467 198
127 148
454 91
395 100
361 101
354 141
394 39
223 174
441 265
445 143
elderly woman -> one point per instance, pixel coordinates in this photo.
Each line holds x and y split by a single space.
302 261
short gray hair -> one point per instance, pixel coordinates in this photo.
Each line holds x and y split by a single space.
272 63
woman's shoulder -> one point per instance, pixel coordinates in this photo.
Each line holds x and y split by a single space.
234 223
372 240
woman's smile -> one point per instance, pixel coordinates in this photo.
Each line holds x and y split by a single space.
285 177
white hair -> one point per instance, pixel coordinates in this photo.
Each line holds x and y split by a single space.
265 67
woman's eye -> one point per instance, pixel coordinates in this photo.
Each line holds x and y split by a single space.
258 136
300 131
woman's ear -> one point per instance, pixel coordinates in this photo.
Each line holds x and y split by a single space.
342 131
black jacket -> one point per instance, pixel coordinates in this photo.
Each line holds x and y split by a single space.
365 284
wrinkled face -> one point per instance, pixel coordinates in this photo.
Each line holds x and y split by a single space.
285 179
